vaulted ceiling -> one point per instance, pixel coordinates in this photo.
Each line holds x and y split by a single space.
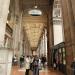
33 25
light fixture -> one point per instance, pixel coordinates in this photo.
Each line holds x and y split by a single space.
35 11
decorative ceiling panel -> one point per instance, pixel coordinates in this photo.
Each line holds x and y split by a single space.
33 26
34 31
30 19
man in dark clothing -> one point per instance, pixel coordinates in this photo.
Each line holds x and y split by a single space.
43 60
36 66
21 61
73 67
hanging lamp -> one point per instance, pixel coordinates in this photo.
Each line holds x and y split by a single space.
35 11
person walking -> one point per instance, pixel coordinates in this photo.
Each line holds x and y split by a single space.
43 60
36 66
73 67
15 60
31 63
21 61
27 65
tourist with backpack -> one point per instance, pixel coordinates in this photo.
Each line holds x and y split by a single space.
36 66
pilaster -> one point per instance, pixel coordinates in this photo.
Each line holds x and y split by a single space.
69 33
50 39
5 53
4 9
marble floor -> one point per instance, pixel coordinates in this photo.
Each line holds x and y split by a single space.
18 71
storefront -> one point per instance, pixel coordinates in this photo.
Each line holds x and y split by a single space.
58 56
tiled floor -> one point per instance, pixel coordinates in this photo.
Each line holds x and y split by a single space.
17 71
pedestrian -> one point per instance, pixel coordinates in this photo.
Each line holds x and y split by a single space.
31 63
15 60
54 66
27 65
40 64
21 61
36 66
73 67
43 60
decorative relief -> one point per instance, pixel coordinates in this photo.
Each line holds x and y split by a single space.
33 31
58 22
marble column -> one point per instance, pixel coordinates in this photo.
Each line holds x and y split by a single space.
69 32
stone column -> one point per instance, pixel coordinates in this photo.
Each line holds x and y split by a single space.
73 8
16 42
42 45
28 50
50 38
5 53
73 24
4 9
69 33
39 49
17 30
45 43
18 36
